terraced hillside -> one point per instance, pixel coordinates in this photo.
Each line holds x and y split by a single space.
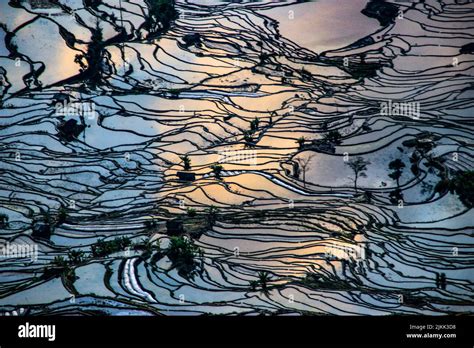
237 157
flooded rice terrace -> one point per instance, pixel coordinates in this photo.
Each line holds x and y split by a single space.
236 157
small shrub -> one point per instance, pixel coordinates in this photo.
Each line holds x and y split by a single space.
104 248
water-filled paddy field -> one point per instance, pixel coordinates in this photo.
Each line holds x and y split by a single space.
237 157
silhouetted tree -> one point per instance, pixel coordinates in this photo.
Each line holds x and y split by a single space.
254 124
304 165
333 137
358 166
75 256
397 169
263 279
217 169
248 139
300 141
186 162
3 220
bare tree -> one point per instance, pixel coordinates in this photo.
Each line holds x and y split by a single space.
304 165
358 166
